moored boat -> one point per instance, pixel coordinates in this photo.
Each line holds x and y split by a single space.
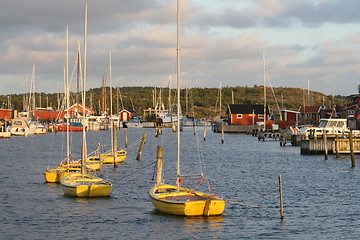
108 158
72 127
22 126
85 185
176 199
171 200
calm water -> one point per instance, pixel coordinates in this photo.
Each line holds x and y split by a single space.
322 198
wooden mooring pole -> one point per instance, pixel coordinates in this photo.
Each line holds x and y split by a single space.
141 147
159 165
351 143
204 129
281 198
325 145
126 138
222 133
337 146
114 144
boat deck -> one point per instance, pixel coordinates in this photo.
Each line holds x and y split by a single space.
189 197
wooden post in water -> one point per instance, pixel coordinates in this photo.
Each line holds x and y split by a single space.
325 145
204 129
222 133
337 146
159 165
126 138
99 155
141 147
351 149
281 198
114 144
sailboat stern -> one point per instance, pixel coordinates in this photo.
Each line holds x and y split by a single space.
186 202
78 185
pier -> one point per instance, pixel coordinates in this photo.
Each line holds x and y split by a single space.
333 145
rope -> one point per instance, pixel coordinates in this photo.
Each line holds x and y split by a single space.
130 174
134 143
249 205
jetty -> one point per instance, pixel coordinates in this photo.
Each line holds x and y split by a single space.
330 144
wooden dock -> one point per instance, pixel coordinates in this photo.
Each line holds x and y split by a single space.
232 128
317 146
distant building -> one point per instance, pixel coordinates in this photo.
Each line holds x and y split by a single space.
127 114
246 114
352 112
291 116
51 115
77 108
6 114
309 114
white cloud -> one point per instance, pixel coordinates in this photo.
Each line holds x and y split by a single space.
221 40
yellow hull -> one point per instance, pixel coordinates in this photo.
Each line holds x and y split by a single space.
186 202
108 158
92 163
75 185
56 174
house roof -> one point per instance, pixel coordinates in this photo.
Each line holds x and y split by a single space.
79 107
290 111
310 109
246 109
351 106
128 110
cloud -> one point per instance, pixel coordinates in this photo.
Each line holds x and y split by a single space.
220 43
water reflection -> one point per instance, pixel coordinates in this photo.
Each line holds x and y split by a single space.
191 226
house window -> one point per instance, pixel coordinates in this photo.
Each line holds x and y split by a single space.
238 115
260 116
351 112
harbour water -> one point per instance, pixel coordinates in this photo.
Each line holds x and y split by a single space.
322 198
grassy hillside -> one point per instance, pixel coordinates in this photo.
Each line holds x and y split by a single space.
203 102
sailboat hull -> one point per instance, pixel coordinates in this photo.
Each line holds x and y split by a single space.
108 158
56 174
78 185
186 202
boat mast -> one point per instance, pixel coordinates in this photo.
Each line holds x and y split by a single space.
264 91
67 93
220 100
178 93
110 73
83 157
169 99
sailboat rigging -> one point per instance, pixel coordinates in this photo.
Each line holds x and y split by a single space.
175 199
83 184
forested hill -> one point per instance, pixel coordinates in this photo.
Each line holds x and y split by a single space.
203 102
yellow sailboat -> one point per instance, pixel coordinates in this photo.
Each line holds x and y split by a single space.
178 200
83 184
54 175
67 167
108 158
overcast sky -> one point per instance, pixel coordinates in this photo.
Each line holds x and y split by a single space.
305 41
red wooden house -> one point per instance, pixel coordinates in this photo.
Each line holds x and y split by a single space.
310 114
127 114
50 115
78 108
352 112
246 114
6 114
